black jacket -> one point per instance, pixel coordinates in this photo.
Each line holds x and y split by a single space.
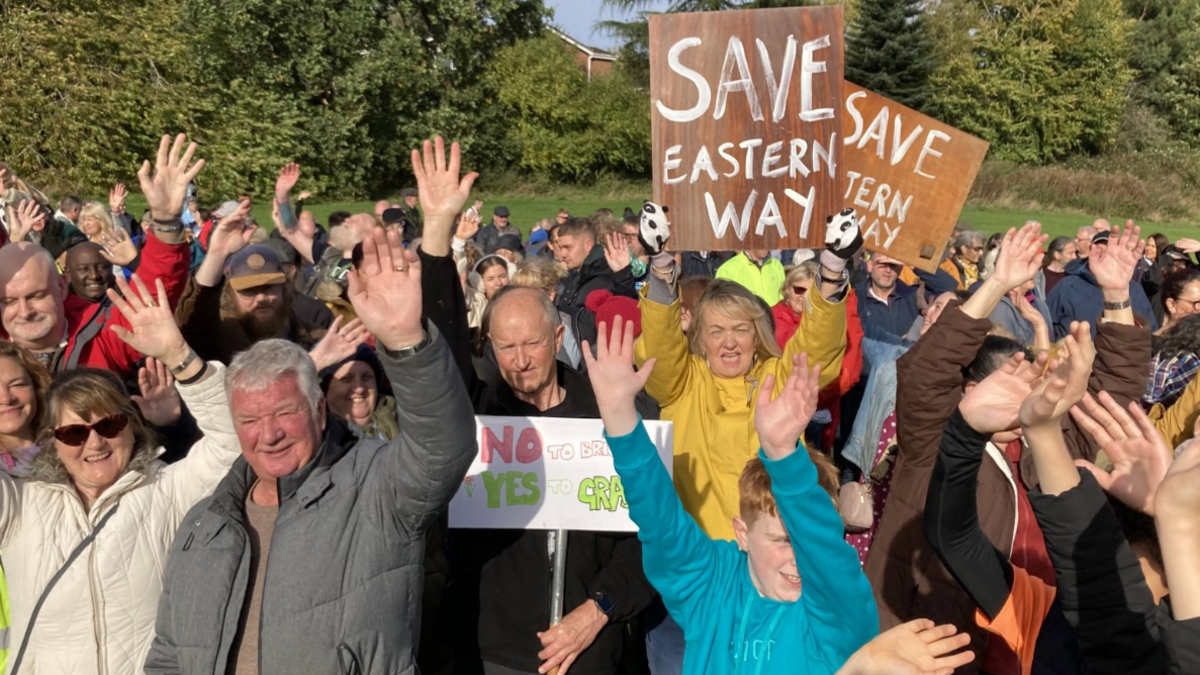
592 276
500 589
498 596
695 265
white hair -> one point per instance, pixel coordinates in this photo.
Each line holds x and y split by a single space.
267 362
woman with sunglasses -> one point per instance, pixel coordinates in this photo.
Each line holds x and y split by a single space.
98 511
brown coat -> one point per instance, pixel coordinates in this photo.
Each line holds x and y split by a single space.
909 580
216 334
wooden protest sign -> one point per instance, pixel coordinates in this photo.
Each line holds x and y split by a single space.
907 176
546 473
746 114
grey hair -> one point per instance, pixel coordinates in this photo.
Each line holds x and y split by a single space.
269 360
966 238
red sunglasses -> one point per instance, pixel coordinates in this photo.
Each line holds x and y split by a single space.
107 427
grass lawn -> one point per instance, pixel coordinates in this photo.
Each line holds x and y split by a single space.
528 210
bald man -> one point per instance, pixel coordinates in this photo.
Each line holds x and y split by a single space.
64 330
502 584
88 272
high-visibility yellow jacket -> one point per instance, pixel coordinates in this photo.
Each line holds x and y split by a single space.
714 416
765 281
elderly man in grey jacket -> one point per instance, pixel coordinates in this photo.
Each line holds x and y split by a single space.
308 556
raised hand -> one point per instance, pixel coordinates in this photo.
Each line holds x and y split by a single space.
1177 497
780 422
152 328
1140 455
1187 245
166 188
1065 384
614 380
914 648
338 344
28 217
386 291
1026 308
1020 256
994 404
441 190
231 234
116 199
159 402
616 251
468 225
118 247
1113 265
288 175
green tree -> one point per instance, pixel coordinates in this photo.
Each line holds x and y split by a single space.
567 127
1039 80
889 50
1166 57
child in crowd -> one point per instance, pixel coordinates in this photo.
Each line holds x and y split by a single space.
788 595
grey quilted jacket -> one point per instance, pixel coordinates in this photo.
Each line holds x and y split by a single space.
344 576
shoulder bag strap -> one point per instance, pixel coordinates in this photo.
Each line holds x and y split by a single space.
54 580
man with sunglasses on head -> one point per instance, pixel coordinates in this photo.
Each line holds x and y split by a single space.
886 305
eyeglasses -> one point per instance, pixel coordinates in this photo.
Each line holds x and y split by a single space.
107 427
1194 303
799 290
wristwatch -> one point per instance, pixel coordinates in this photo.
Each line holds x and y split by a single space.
1114 306
409 351
187 361
169 225
605 605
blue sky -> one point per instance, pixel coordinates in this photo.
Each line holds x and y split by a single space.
578 19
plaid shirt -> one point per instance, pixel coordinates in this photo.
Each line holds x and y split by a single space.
1169 377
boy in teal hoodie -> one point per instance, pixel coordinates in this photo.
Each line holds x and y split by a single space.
769 603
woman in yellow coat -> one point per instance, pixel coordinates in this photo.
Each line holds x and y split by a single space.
706 381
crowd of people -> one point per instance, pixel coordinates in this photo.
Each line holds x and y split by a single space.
987 467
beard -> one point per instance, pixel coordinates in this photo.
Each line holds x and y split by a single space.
260 327
32 329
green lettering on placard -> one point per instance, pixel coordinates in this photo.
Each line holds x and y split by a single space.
600 492
492 483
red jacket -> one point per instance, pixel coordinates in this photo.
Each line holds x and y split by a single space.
786 323
91 343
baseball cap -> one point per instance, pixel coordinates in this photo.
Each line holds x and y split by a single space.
393 216
408 192
252 266
501 211
1100 237
510 242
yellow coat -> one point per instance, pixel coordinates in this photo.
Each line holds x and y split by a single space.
1176 423
713 416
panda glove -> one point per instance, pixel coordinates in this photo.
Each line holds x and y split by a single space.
843 238
654 230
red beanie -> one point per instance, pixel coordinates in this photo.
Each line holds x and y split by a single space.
608 307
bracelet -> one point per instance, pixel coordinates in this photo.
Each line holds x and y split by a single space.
839 280
187 361
1114 306
195 378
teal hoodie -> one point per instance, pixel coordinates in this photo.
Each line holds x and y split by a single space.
706 586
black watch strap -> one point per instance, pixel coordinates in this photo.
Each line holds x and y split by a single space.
604 604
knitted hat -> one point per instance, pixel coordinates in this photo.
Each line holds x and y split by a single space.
607 307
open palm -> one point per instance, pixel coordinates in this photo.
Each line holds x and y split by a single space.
441 191
1140 455
386 290
780 422
1113 265
152 327
994 404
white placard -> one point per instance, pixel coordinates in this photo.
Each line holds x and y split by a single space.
546 473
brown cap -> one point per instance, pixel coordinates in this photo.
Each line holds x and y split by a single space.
253 266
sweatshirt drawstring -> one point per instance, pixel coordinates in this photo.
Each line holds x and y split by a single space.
770 631
741 641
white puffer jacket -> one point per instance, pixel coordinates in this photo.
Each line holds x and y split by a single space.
99 618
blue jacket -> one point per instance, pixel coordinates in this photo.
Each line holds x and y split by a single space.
895 317
1078 298
706 586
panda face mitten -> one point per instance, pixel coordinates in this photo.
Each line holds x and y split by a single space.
843 238
655 228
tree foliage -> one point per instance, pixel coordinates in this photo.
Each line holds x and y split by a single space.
1040 80
346 87
1166 57
889 50
566 126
